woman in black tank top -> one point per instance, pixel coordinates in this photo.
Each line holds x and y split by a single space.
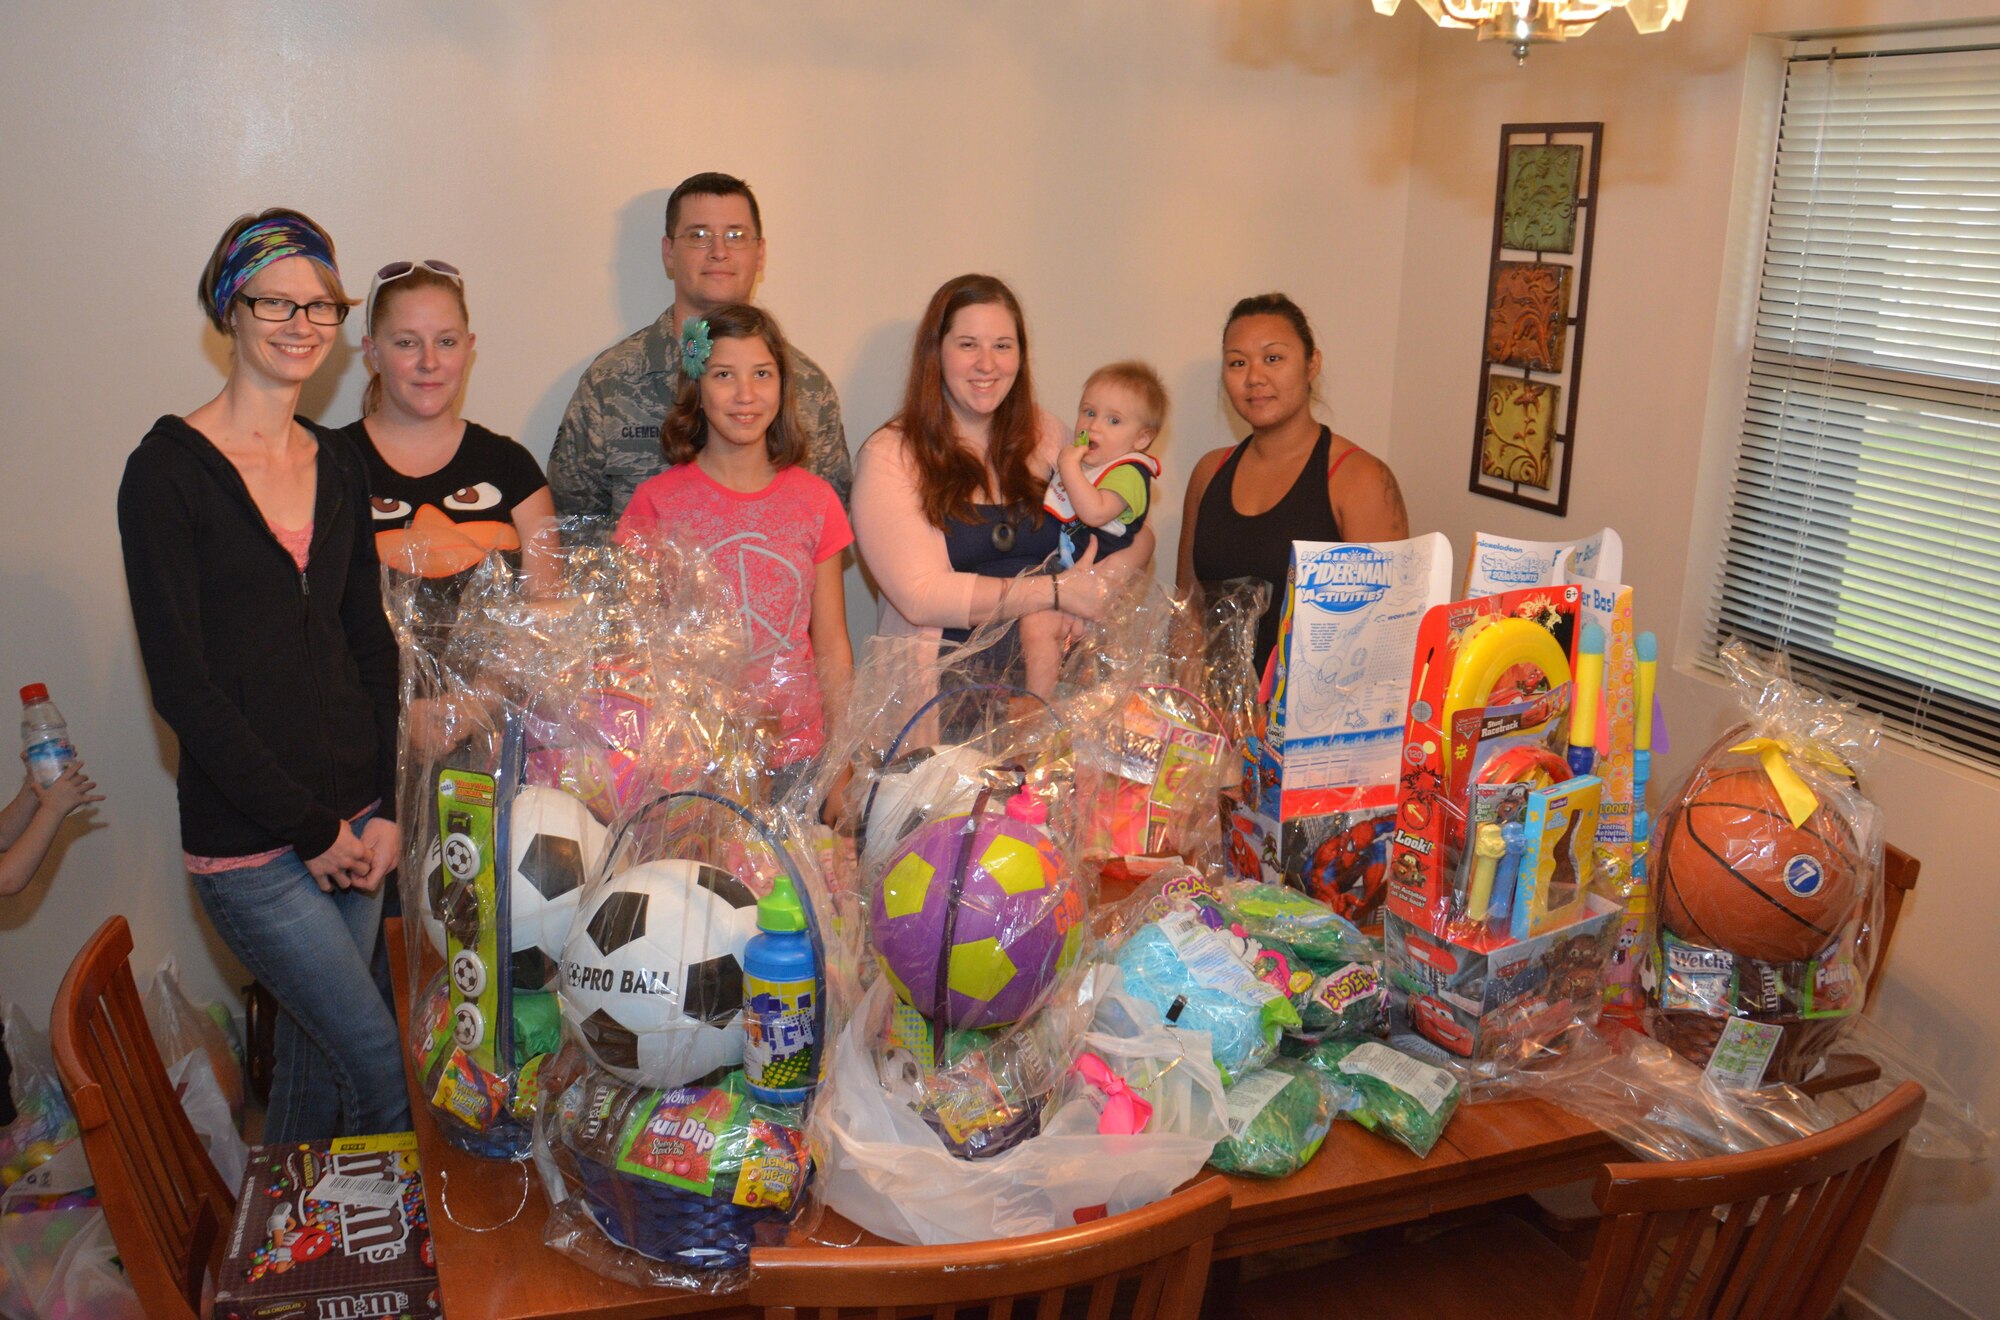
1293 472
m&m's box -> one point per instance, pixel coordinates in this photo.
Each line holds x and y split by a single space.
331 1231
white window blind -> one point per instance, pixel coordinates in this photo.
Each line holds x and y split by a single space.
1864 532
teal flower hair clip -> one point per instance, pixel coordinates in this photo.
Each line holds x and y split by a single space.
695 348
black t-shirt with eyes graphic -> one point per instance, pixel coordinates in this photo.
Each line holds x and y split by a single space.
464 509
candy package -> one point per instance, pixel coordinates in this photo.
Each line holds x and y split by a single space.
1391 1093
1278 1116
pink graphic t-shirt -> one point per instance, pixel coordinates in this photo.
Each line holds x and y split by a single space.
769 545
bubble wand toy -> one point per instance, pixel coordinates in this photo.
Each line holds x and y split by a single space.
1583 702
1647 647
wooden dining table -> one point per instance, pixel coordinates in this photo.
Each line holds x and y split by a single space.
487 1217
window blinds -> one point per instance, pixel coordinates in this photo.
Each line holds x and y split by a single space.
1864 532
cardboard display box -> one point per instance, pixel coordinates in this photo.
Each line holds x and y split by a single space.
331 1231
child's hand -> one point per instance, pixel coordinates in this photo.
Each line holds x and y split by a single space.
72 790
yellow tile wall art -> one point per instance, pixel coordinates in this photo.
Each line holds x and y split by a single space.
1517 444
1527 317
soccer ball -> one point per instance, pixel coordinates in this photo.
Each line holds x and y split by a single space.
652 974
1016 925
554 846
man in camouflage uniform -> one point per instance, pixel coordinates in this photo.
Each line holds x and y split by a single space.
609 440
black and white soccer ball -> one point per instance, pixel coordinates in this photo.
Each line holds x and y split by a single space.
554 846
652 975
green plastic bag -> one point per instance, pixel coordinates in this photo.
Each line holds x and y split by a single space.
1390 1092
1277 1118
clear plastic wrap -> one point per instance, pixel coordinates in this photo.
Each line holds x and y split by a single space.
1767 867
959 793
890 1172
530 722
662 1161
1160 697
1660 1106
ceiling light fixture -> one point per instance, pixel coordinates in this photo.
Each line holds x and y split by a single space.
1524 24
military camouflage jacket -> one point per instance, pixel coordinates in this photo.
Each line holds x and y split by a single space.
609 440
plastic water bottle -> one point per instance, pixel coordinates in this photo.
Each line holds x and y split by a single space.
44 735
781 990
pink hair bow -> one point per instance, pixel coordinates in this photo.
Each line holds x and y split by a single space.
1125 1112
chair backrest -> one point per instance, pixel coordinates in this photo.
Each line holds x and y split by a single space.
1899 877
167 1207
1767 1233
1166 1245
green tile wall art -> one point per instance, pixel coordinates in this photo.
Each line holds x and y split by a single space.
1538 209
1537 298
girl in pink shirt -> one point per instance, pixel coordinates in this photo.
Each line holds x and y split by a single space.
774 529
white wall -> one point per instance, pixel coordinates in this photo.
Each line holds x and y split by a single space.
1671 107
1131 168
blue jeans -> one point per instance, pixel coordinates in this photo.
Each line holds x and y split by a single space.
338 1065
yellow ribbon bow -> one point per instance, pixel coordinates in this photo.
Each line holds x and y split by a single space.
1776 757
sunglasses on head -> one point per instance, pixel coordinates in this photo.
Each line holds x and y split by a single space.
396 270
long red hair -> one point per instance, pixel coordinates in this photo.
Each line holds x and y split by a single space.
949 476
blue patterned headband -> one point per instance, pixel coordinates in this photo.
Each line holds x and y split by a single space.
260 245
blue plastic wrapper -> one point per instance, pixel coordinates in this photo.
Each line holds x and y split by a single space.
1189 973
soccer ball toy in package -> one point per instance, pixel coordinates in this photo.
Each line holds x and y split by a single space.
959 793
1768 867
671 1137
501 835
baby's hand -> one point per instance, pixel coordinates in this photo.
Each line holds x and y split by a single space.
72 790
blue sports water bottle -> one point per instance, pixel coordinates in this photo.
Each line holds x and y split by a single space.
781 990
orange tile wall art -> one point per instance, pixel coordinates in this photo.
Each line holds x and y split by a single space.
1528 316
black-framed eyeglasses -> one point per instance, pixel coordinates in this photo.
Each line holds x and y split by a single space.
284 309
704 238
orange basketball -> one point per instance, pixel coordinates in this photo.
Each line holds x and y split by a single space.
1738 875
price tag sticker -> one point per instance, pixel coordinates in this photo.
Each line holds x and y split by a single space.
1743 1053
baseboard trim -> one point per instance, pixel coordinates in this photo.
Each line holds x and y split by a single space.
1893 1293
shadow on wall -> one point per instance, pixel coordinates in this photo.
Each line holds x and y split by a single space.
1322 38
1316 36
640 291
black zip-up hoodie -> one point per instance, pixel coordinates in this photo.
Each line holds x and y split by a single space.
280 685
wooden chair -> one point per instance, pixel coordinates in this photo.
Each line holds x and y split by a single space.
1166 1245
166 1206
1899 877
1768 1233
